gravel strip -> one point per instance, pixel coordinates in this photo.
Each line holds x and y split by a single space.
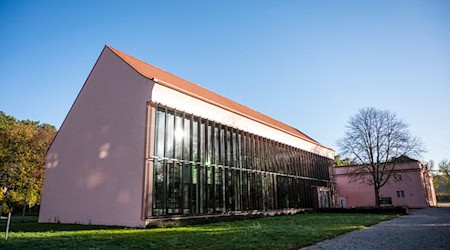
423 229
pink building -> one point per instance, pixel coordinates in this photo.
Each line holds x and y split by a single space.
411 185
141 144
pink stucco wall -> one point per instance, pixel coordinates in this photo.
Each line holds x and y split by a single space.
415 183
95 166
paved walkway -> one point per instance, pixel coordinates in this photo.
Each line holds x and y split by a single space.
423 229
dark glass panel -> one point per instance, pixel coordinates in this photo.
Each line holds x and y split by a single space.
251 153
218 190
257 156
170 136
244 190
159 133
209 142
222 145
216 145
195 141
211 190
194 189
238 150
252 191
263 155
234 149
201 188
174 192
202 141
179 134
158 188
228 147
187 138
186 189
243 151
230 188
237 190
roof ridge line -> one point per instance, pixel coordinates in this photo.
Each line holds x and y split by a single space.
123 56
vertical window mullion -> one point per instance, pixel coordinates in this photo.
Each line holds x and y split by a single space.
155 160
213 167
175 165
182 167
165 172
200 196
174 128
191 166
206 163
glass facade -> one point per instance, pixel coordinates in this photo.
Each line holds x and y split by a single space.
204 167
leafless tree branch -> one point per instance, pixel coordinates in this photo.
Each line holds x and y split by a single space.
373 139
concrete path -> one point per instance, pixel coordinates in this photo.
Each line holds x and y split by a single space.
423 229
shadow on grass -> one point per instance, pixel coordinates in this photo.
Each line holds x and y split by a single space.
30 224
282 232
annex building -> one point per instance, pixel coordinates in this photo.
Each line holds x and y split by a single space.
410 185
140 143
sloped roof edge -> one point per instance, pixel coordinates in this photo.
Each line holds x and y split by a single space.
400 159
174 82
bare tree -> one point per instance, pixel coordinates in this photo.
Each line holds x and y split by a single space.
373 139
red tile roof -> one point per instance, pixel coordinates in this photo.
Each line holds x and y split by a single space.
174 82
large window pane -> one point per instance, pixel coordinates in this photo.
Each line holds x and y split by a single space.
211 189
222 145
228 147
194 190
179 134
218 189
174 192
201 188
158 188
209 141
202 141
216 146
159 133
170 136
186 190
195 141
187 138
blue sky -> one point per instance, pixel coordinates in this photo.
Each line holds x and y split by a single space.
310 64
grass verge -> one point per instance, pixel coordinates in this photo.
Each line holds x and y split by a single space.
279 232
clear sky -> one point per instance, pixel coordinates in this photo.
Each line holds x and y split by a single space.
310 64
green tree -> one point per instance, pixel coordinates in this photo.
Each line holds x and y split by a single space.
338 161
444 170
23 146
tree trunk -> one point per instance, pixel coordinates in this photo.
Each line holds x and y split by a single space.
24 206
377 196
24 209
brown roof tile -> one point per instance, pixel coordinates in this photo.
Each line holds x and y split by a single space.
174 82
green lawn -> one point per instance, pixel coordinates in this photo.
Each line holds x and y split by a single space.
280 232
